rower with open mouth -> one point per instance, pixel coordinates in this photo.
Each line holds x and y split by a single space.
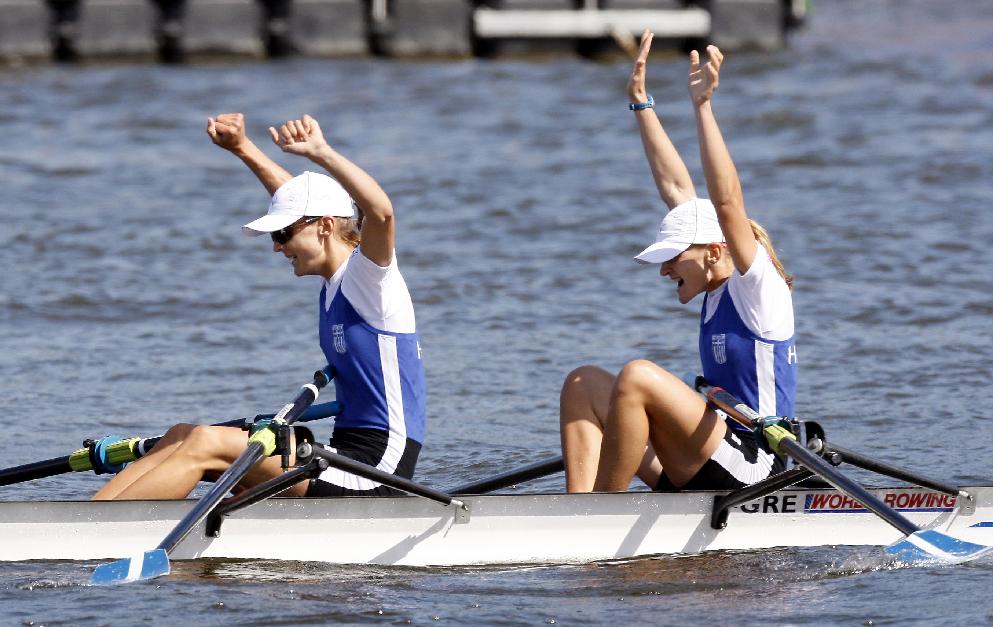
646 421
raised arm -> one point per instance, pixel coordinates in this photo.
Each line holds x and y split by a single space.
227 130
723 185
305 138
671 176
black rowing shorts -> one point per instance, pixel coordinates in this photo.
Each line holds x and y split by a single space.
369 446
743 458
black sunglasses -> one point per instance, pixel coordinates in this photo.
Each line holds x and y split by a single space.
286 233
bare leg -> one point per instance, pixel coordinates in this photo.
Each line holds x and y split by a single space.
175 471
651 468
582 412
648 401
137 469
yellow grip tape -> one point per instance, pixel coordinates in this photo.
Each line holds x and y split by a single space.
121 452
774 434
267 438
79 460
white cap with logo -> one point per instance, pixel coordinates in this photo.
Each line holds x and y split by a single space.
309 194
693 222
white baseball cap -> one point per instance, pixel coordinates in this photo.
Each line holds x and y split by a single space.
309 194
693 222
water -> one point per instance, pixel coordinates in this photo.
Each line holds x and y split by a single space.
129 299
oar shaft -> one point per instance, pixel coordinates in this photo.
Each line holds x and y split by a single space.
513 477
862 461
237 470
61 465
235 473
828 472
314 412
749 417
35 470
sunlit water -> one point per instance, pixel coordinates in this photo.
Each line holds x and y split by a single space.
130 300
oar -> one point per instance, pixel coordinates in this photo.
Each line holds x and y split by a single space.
262 443
109 454
513 477
919 545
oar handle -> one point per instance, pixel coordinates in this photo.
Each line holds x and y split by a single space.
315 412
730 405
292 412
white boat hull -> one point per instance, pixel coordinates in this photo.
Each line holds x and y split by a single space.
501 529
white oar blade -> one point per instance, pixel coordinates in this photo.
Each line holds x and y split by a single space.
930 546
148 565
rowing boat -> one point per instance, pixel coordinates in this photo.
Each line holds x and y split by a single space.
491 529
925 522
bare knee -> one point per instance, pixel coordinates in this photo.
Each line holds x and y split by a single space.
176 434
579 380
585 393
639 377
179 431
201 442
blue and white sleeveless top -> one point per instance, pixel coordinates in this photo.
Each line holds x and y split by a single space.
378 374
737 355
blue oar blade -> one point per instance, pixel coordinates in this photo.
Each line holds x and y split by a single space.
148 565
930 546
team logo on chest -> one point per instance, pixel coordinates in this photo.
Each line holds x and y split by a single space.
718 345
338 334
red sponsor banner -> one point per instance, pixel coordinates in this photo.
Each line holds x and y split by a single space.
900 500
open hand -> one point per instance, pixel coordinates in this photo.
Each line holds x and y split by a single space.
703 80
300 137
227 130
637 92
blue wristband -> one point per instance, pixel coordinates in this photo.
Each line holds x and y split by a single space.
638 106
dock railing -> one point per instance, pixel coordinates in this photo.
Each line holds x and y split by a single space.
589 22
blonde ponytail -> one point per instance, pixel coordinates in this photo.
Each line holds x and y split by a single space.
349 229
762 237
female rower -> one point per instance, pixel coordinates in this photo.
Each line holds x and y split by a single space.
646 421
367 330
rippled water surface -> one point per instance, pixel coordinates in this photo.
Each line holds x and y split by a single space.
129 299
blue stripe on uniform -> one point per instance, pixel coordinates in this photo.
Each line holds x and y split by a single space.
760 372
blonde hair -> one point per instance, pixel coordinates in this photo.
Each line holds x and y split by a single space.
349 230
762 237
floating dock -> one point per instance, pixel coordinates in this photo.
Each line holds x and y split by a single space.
182 30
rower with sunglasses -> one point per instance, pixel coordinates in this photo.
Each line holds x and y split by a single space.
366 321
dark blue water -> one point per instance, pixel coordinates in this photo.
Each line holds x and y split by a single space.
129 299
